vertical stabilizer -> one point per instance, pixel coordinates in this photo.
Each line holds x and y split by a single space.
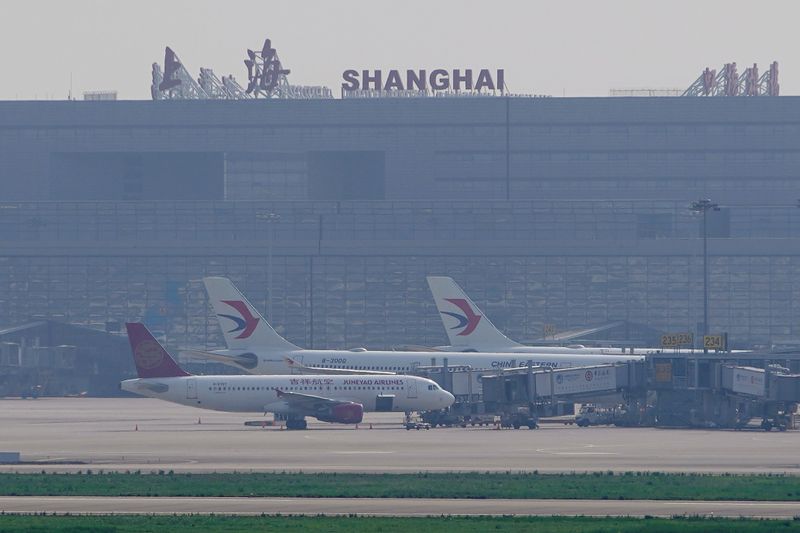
243 326
467 328
150 358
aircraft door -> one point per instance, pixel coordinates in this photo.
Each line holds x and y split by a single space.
384 403
412 389
191 389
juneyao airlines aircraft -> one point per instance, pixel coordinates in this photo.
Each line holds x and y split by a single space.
340 399
470 330
254 346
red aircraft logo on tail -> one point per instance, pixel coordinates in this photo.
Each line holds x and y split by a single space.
469 320
148 354
246 323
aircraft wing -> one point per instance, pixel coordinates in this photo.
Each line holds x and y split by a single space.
578 333
303 369
308 402
324 409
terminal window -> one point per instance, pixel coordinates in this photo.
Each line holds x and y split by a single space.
137 176
347 175
718 223
653 225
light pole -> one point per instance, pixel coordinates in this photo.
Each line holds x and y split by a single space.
270 219
703 206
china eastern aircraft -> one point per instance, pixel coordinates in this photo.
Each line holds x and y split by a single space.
340 399
470 330
253 345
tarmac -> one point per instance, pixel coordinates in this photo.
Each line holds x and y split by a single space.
70 434
394 507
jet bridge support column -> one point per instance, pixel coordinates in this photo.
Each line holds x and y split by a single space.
447 377
529 385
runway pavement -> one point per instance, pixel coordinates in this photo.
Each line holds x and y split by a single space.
394 507
127 434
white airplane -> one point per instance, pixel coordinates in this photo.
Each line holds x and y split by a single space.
468 329
339 399
254 346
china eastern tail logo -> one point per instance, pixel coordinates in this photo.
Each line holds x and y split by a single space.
468 320
246 323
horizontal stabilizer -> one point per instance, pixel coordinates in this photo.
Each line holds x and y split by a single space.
245 360
415 348
159 388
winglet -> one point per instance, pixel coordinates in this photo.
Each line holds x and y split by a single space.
150 358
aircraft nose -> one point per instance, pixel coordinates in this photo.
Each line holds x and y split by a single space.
446 398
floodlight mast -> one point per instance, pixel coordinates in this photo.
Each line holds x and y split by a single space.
270 219
703 206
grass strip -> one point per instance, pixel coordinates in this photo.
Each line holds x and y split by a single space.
185 523
594 486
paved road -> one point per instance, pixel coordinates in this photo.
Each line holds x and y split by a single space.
392 507
69 434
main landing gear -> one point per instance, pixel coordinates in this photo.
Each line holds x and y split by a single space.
296 423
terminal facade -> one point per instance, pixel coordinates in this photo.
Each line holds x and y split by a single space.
570 212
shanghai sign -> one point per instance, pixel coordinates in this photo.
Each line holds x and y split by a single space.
423 80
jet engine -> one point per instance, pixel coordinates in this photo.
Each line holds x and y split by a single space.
344 413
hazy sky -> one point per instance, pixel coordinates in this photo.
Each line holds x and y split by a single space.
577 48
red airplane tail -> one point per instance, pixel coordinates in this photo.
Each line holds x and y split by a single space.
150 358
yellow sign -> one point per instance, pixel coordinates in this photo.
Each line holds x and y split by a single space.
676 340
714 342
663 372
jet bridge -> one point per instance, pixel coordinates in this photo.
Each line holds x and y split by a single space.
724 389
665 389
539 385
539 391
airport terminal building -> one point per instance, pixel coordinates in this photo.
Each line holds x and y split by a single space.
568 212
